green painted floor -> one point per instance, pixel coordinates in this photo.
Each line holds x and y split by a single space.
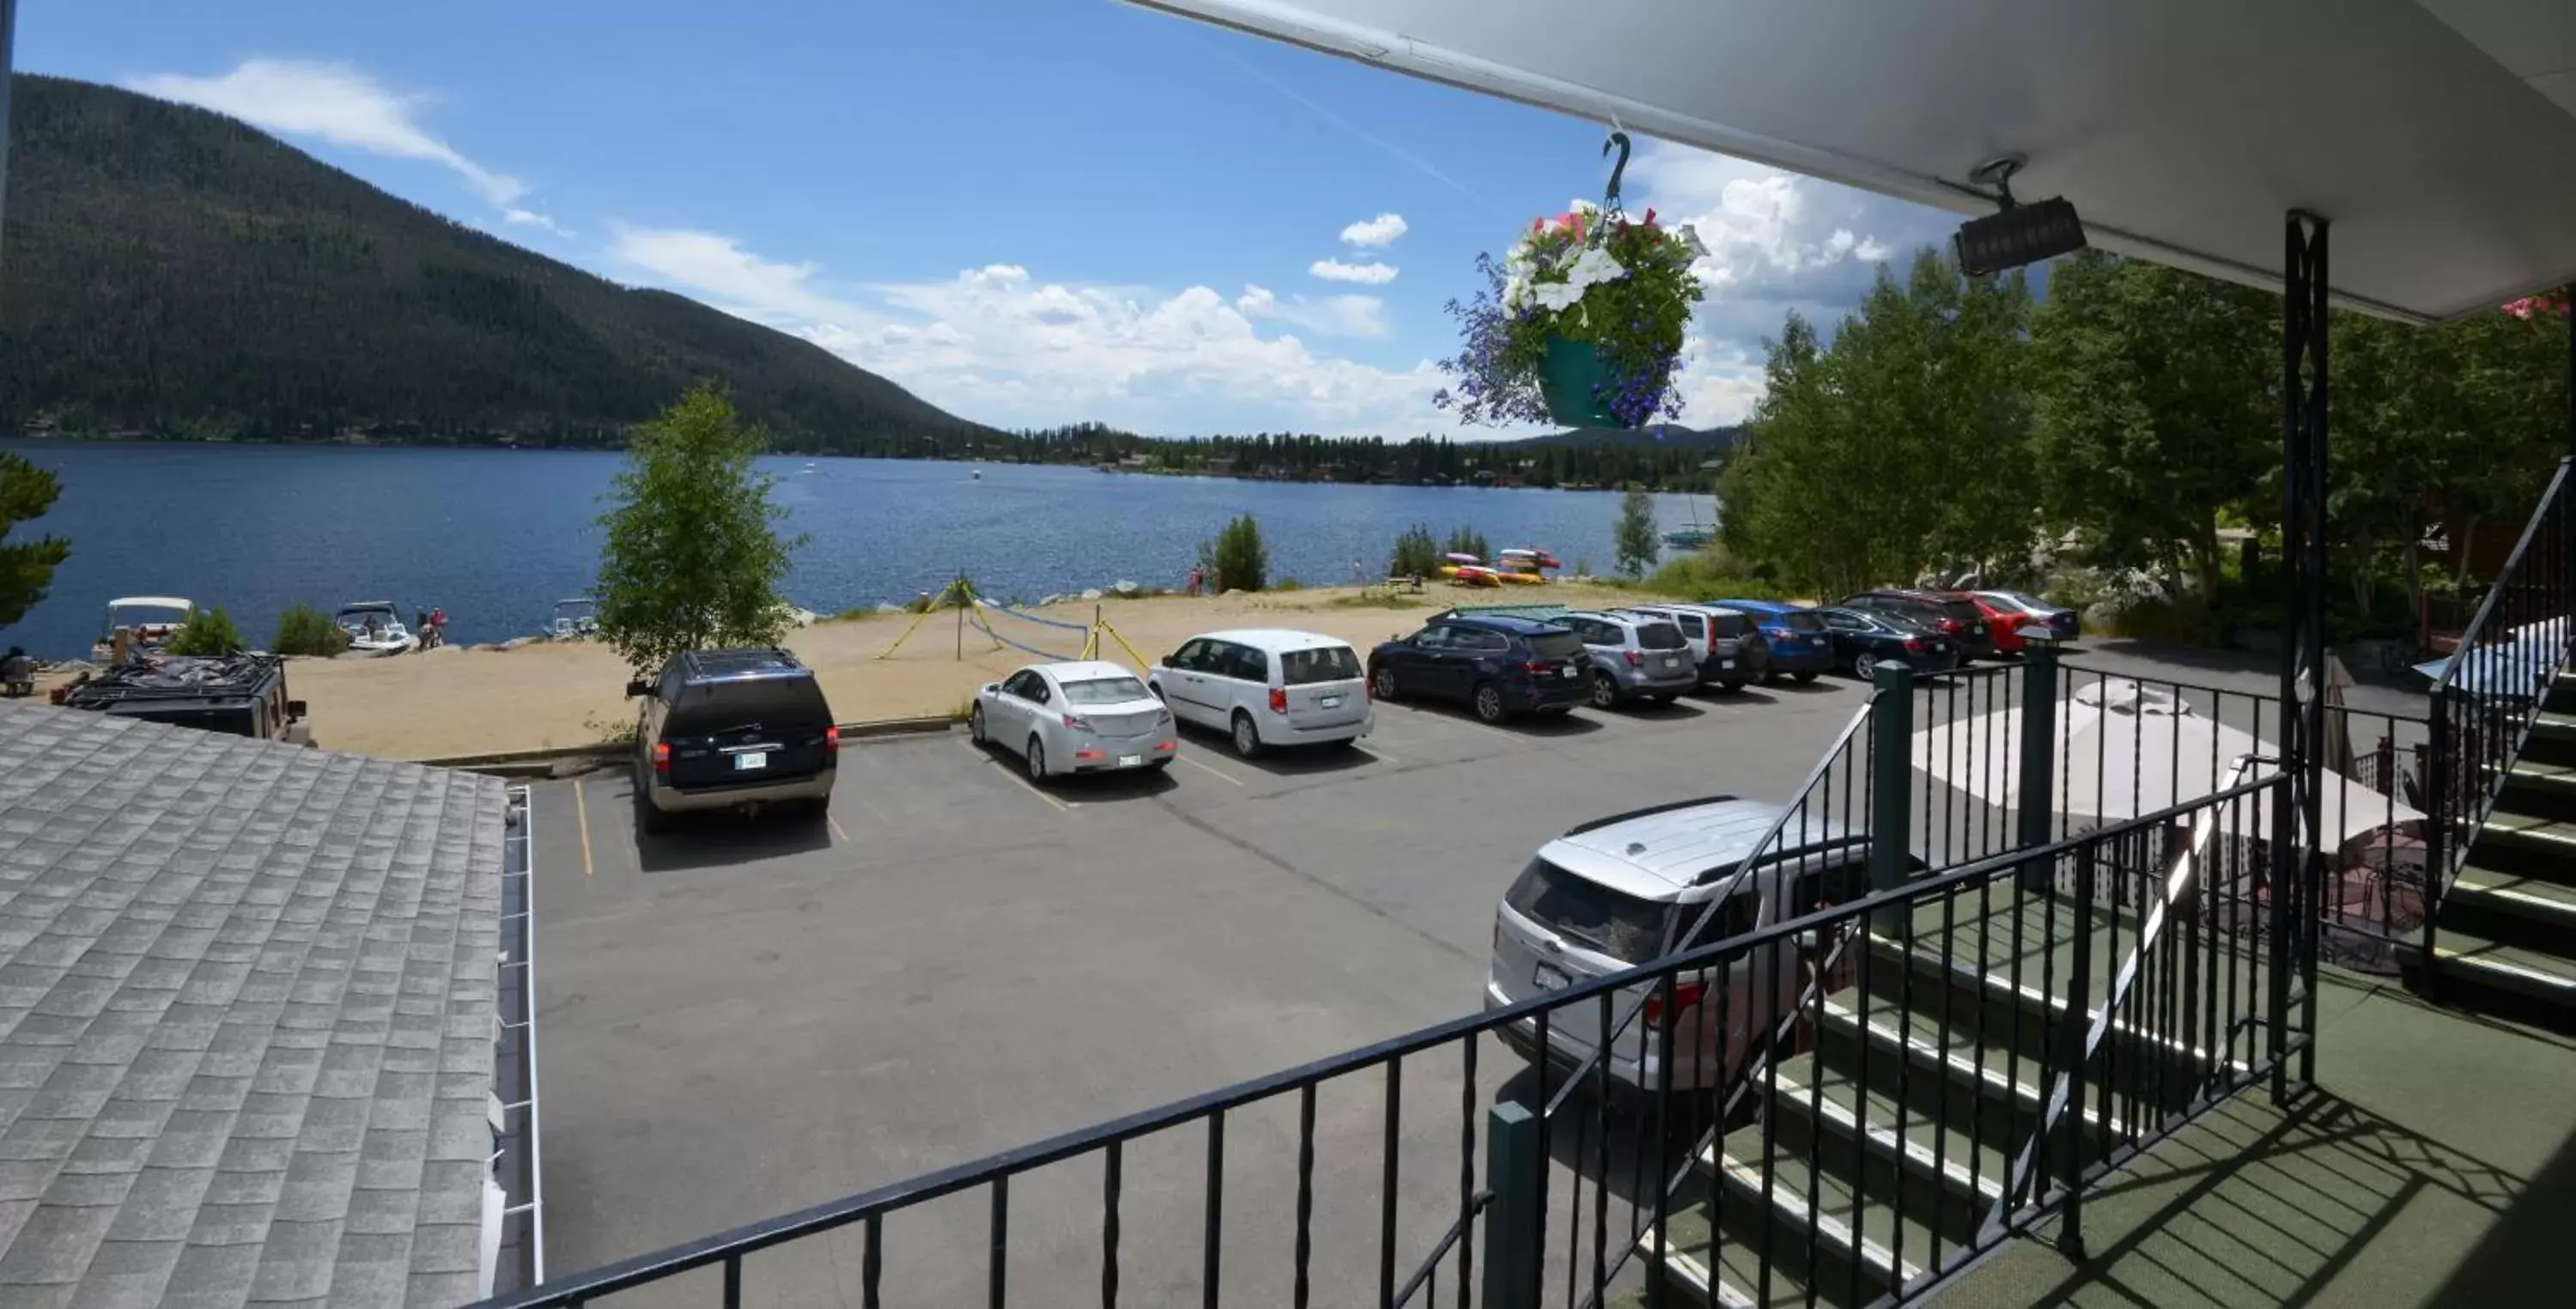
2433 1163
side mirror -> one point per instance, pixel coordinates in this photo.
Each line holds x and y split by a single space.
634 689
1168 662
295 709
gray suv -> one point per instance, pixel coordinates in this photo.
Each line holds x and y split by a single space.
1634 657
722 729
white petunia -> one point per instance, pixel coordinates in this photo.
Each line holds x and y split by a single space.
1515 291
1595 266
1556 295
1691 242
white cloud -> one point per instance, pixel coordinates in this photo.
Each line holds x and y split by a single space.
338 103
517 217
1368 274
1375 233
1002 345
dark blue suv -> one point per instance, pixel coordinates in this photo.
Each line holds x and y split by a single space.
1800 645
1495 665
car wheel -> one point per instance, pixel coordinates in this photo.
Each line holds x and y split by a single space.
1384 679
1037 760
1247 738
975 724
1865 666
1488 700
1605 691
1803 678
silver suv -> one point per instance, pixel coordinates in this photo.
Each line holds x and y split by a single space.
1634 657
1625 890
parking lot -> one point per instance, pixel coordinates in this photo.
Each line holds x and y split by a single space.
739 1019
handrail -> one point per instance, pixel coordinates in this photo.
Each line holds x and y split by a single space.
2512 566
2061 1091
1637 1005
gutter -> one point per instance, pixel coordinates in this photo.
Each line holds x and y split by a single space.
563 760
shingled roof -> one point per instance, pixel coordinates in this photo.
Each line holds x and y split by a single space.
246 1019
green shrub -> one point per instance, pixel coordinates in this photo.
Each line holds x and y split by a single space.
1288 584
1468 541
1236 560
305 630
1417 553
207 632
1710 575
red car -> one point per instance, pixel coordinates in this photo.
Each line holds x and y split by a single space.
2004 622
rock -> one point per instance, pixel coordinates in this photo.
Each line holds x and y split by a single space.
1044 601
1124 587
1229 591
1092 594
890 609
486 646
515 642
439 649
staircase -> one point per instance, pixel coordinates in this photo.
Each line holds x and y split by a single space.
2505 938
1879 1152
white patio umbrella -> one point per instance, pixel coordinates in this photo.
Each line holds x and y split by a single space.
2127 749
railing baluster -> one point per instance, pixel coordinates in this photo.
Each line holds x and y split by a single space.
995 1292
1467 1101
1111 1181
1601 1130
872 1264
1386 1185
733 1281
1306 1185
1213 1241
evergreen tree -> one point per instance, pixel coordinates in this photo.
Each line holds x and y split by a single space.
1636 539
26 565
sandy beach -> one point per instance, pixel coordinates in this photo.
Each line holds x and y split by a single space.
456 702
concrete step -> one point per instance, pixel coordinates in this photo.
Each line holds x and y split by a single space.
2553 737
1697 1270
2533 985
1945 1176
2535 912
1861 1249
1995 1094
2540 788
2527 844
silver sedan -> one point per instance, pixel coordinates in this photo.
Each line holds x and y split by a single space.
1074 718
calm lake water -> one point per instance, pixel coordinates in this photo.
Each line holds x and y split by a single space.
497 536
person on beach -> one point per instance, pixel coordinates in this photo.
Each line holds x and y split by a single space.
1198 578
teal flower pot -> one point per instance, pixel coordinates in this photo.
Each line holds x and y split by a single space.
1575 383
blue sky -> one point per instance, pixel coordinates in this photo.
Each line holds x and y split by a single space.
1027 211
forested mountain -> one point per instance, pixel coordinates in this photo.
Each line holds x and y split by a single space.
172 271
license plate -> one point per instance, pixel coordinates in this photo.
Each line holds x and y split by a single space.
1815 640
1130 760
1568 672
1726 663
744 763
1548 979
1329 701
1672 661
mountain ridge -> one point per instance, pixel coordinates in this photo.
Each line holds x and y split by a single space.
171 270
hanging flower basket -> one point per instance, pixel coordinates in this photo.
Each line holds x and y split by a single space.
1581 324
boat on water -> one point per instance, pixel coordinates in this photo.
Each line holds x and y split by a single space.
974 474
576 619
1689 538
150 618
375 628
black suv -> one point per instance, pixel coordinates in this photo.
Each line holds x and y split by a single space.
236 694
725 728
1499 666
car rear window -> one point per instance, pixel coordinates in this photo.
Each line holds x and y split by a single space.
1690 624
1965 611
1800 620
772 702
1613 922
1556 645
1332 663
1660 636
1731 624
1104 690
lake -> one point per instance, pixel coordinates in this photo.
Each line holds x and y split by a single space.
497 536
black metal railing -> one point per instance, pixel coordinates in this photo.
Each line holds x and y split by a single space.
2493 687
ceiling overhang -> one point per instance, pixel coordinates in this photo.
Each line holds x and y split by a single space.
2437 135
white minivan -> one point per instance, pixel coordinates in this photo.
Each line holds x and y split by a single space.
1266 687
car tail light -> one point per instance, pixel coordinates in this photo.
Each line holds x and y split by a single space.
1951 625
661 759
1914 644
1636 658
1685 995
1077 722
1536 666
1278 700
832 742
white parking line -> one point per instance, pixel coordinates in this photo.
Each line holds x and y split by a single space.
1220 775
1017 778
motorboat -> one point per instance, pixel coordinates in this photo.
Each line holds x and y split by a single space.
576 619
375 628
150 618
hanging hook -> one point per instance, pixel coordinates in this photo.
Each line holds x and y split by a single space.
1618 141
